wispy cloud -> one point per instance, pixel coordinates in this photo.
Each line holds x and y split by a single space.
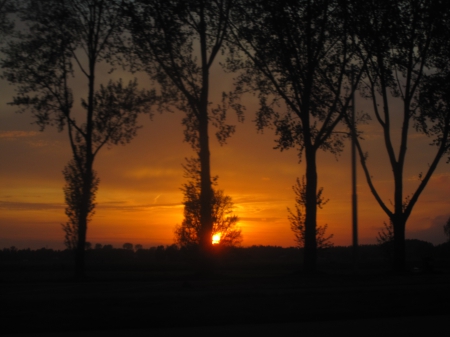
17 134
255 199
123 206
29 206
259 219
145 172
112 205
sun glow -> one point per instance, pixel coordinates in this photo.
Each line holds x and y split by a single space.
216 239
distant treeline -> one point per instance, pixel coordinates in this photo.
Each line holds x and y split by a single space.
420 255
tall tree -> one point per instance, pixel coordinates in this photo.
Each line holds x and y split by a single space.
296 56
63 41
176 42
401 40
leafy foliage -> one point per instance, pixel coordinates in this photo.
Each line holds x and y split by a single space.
297 219
224 222
7 7
447 230
295 56
73 195
176 42
386 234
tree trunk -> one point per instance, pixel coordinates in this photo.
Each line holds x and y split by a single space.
82 224
87 174
204 155
310 250
399 218
205 195
79 252
399 223
205 192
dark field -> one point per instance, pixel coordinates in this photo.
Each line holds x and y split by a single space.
146 300
41 297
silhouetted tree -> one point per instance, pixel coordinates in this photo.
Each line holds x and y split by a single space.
63 39
297 219
137 247
386 234
159 252
188 234
127 246
73 194
385 239
296 56
171 251
176 42
98 246
447 230
401 39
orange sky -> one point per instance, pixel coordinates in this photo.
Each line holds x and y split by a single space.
139 197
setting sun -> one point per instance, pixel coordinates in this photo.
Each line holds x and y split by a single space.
216 239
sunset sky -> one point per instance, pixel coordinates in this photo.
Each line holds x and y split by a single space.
139 198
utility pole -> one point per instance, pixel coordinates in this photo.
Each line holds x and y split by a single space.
354 194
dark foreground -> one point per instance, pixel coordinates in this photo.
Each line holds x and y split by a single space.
384 326
237 302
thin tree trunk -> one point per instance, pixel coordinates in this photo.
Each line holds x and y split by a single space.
88 163
83 222
205 194
310 250
399 263
204 155
80 250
